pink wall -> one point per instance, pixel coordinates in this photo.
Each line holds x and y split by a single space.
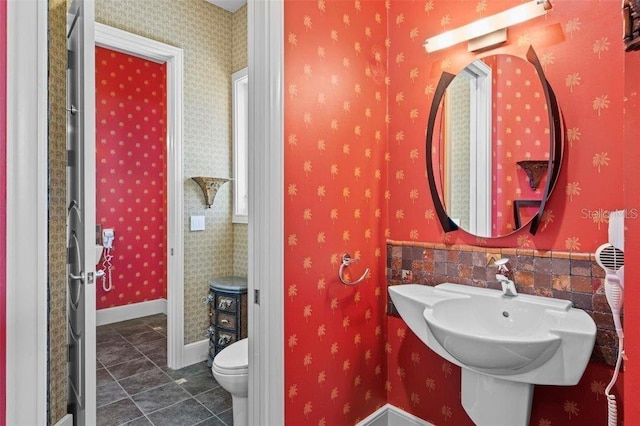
131 174
3 207
335 141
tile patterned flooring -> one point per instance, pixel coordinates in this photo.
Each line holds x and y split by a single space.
135 386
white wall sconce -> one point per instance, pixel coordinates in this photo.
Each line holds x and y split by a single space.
489 31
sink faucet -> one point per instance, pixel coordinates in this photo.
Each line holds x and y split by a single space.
505 277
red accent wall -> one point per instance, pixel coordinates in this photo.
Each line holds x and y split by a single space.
578 44
335 175
582 55
632 241
3 209
359 84
131 174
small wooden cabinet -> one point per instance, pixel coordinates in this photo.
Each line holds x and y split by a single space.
227 301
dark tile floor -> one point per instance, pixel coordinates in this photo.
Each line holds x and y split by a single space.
135 386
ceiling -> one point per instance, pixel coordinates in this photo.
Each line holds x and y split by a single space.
230 5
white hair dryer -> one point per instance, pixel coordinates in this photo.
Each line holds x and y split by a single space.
611 260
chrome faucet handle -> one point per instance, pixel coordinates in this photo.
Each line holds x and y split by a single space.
503 276
503 270
502 264
497 263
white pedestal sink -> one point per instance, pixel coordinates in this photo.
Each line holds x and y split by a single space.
505 345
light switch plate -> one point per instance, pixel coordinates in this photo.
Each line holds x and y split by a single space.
197 223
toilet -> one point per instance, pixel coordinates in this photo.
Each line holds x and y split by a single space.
230 368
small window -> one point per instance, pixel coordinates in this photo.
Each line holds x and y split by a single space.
240 96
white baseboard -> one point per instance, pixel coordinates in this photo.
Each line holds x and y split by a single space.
65 421
134 310
388 415
196 352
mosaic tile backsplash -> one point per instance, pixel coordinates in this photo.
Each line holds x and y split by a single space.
563 275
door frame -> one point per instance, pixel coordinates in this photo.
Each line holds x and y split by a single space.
266 212
479 76
84 83
135 45
481 120
27 203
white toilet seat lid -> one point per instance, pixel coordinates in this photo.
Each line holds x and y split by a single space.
230 372
234 359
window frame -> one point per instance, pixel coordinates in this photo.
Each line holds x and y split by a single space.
240 125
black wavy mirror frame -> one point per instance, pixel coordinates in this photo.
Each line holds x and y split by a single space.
556 144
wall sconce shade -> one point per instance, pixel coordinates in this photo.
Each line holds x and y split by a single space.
535 170
489 31
210 186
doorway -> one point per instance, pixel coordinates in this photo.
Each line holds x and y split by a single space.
467 123
29 223
172 58
131 220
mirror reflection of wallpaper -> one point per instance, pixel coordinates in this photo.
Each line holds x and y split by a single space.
520 132
458 153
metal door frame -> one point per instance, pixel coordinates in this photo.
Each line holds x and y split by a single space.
81 216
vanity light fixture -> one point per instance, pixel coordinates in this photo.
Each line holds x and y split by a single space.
489 31
210 186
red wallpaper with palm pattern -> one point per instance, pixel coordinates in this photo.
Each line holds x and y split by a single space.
338 53
335 173
131 174
520 126
578 45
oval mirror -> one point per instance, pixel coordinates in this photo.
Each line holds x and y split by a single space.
495 145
